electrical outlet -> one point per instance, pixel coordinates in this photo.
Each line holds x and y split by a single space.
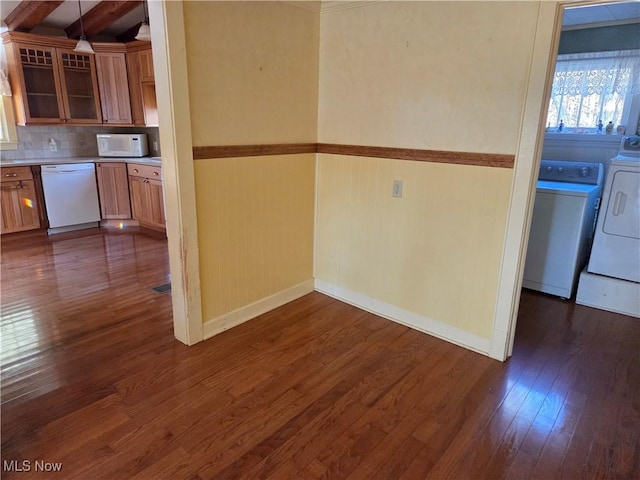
397 188
53 146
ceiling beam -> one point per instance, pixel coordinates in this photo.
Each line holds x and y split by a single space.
28 14
100 17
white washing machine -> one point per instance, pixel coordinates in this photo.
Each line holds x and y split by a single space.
612 279
564 212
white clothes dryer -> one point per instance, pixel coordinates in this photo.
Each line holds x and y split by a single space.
616 245
612 279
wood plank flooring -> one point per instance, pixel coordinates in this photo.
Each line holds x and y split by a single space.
93 378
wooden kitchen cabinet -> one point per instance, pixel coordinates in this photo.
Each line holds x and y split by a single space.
135 89
114 88
147 198
79 87
51 84
35 84
113 191
18 200
145 61
142 87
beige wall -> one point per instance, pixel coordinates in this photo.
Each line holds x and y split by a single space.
253 77
253 72
435 251
255 225
434 75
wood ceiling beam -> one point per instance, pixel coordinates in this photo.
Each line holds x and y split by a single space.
100 17
28 14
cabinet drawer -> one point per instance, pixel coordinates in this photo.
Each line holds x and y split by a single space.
13 174
146 171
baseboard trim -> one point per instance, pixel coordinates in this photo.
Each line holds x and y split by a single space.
72 228
243 314
405 317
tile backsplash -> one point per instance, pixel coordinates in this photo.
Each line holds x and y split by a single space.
70 141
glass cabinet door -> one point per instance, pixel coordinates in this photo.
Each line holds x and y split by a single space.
79 87
42 101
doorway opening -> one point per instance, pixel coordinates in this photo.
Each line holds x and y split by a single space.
593 104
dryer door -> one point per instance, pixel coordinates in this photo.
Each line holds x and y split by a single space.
623 210
616 247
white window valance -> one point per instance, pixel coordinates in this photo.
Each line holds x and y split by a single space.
592 88
598 73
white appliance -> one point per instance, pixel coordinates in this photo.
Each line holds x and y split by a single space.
70 196
612 279
567 199
122 145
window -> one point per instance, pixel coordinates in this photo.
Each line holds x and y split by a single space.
8 137
592 88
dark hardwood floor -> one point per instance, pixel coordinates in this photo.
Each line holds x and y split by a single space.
93 378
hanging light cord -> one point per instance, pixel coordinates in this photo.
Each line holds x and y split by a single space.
82 36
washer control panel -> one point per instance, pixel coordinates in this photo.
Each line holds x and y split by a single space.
630 146
571 172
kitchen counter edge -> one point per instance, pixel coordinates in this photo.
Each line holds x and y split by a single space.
151 161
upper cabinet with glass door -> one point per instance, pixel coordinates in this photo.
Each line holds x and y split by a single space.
79 87
52 84
38 72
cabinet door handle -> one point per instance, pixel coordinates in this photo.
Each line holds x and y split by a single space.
620 202
10 174
135 170
156 173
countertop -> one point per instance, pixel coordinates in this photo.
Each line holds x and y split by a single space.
153 161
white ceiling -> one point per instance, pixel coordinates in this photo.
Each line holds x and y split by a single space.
610 13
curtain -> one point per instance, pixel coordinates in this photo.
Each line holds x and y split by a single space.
5 87
591 88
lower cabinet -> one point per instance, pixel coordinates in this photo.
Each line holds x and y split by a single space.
18 201
147 198
125 190
113 188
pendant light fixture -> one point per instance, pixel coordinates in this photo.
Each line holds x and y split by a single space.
82 46
144 33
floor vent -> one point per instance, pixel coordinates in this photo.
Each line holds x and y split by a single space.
162 288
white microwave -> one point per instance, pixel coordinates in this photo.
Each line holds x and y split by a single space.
122 145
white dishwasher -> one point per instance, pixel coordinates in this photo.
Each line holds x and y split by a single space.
71 196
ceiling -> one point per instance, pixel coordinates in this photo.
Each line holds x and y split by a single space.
119 20
103 20
607 14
